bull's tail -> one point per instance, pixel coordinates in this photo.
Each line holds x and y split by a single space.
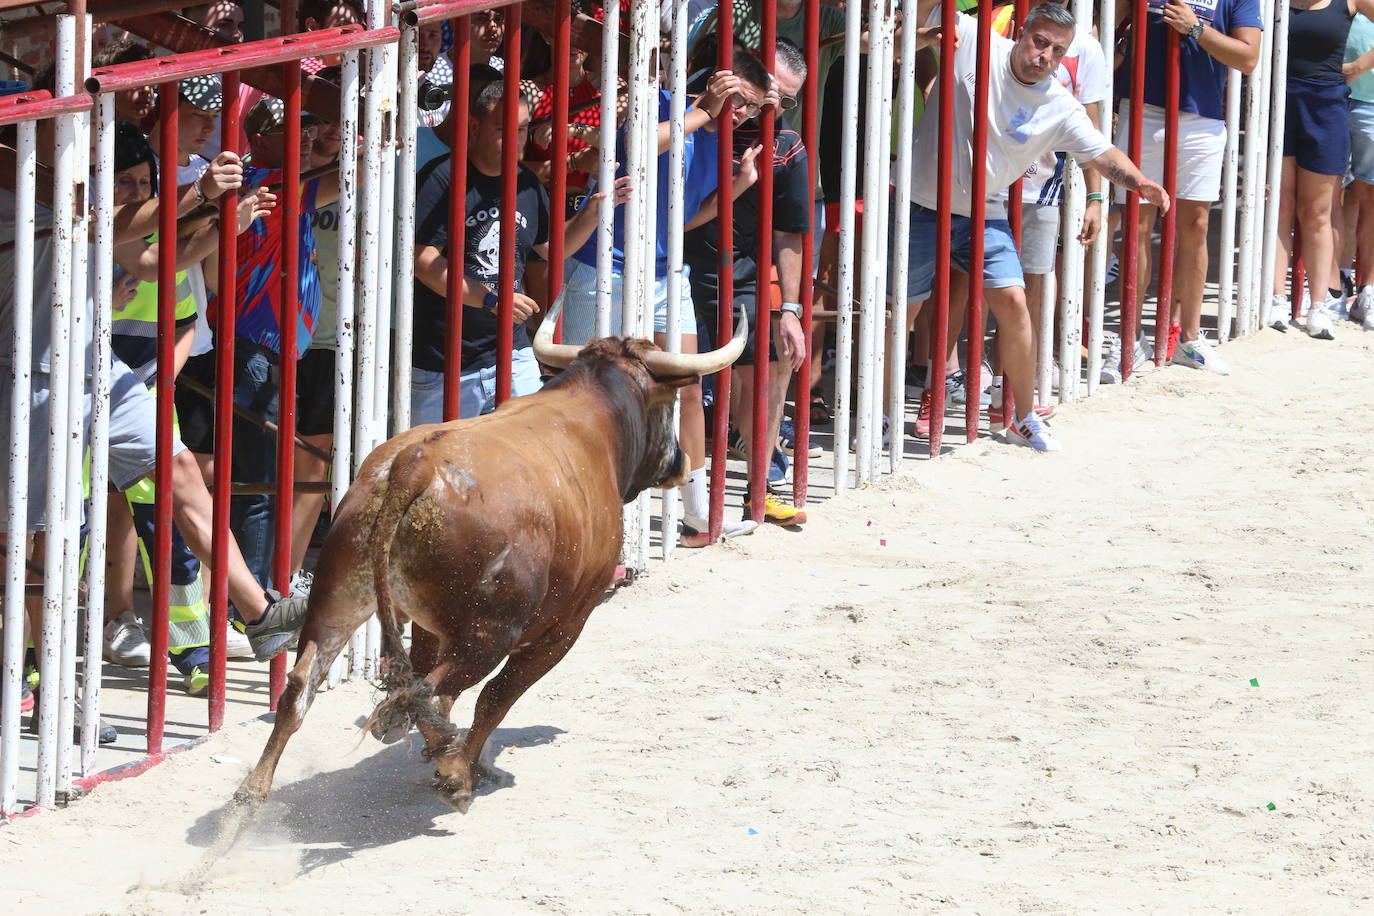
410 474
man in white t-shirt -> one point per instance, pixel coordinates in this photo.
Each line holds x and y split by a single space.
1030 115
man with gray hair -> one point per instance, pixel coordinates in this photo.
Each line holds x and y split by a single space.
1029 115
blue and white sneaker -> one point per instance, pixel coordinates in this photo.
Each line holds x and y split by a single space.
1032 432
1198 354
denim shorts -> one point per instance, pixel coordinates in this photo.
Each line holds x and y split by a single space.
1362 140
1001 264
478 389
579 304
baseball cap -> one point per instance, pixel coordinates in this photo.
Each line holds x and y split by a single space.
269 114
204 92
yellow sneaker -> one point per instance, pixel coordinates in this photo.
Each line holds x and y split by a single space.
778 511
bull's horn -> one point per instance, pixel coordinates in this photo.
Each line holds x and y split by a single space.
678 365
553 355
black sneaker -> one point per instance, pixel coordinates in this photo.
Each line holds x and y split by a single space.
271 633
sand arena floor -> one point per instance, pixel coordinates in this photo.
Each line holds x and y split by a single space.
1036 695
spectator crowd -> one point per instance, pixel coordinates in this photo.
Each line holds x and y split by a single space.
1047 86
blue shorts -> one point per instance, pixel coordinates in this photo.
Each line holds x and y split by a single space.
1316 128
1001 263
1362 141
477 387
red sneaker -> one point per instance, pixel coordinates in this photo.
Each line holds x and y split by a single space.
921 428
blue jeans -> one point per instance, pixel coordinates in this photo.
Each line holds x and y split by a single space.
478 389
256 388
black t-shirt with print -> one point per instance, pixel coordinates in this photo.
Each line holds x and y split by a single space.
481 258
791 213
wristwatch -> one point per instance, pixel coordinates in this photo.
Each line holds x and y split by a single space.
1196 31
793 307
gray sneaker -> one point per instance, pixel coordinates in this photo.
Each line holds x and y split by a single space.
126 642
273 631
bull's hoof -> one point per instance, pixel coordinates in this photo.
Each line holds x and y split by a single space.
453 793
392 728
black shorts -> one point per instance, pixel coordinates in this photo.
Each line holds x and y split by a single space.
315 393
195 411
704 301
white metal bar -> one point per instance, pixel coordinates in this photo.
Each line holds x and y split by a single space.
16 546
610 78
76 422
1071 286
1250 198
1274 148
901 235
345 347
1226 261
880 268
1097 300
50 738
873 233
649 201
368 322
1044 350
844 296
408 122
100 427
676 210
386 247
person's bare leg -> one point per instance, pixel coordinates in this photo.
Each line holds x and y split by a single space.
1364 196
193 513
1035 285
307 506
1190 266
1143 247
958 314
1314 218
1287 190
1016 345
121 556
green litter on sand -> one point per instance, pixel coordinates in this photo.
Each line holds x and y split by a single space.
1270 806
1254 682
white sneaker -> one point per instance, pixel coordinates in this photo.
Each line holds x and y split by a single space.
1280 309
1362 305
1110 373
301 583
126 642
1320 324
236 645
1032 432
1338 306
1198 354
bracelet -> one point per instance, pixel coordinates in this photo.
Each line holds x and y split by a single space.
1094 195
793 307
490 302
200 195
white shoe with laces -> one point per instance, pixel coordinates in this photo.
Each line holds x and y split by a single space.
1320 323
1364 304
1198 354
126 642
1032 432
1280 310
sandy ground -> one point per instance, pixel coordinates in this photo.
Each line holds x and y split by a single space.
999 682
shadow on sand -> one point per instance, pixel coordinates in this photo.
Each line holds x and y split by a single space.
383 798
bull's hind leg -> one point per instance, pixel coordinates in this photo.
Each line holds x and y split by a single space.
456 774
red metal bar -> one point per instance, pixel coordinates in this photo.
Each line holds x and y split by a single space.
935 382
224 418
457 215
510 164
558 149
35 106
801 418
166 358
725 270
973 366
447 9
760 444
238 57
1130 220
288 318
1168 230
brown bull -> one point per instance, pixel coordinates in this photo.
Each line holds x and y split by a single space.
496 536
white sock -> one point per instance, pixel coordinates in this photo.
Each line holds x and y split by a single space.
696 499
